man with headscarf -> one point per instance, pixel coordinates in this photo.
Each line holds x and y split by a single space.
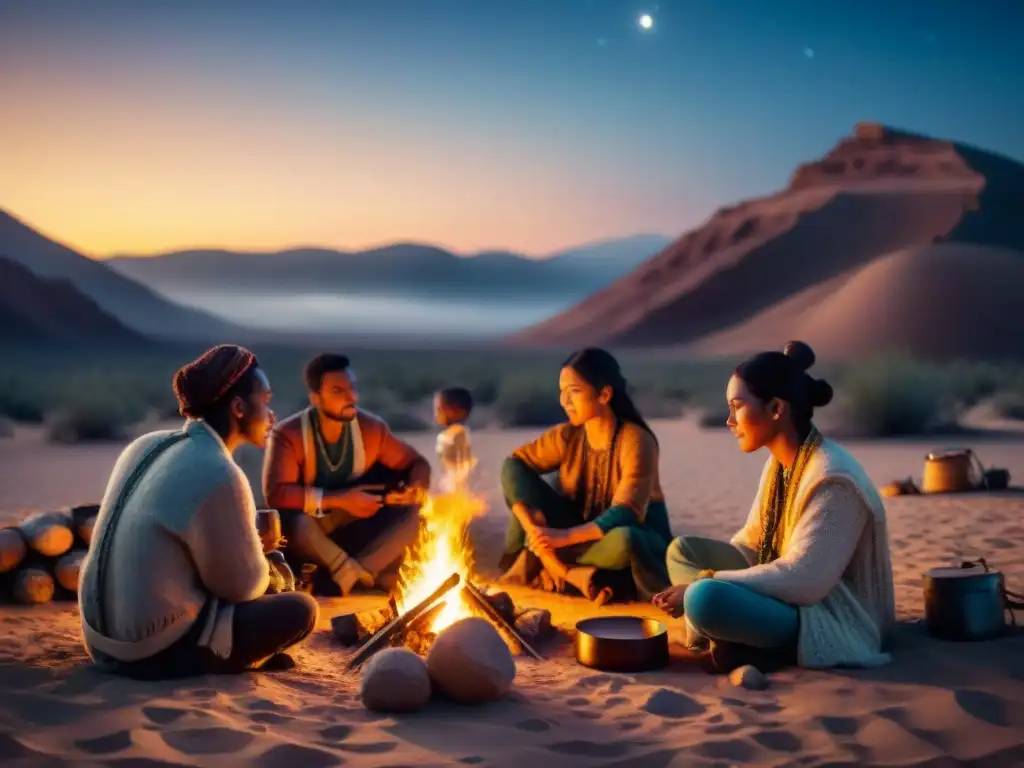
325 469
175 578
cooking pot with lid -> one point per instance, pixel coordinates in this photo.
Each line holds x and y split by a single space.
968 603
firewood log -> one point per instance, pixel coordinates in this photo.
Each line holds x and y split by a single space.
12 549
32 586
48 533
67 569
84 517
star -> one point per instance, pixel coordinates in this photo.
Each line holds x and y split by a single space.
602 42
809 53
646 21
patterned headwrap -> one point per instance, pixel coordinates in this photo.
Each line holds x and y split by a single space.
205 381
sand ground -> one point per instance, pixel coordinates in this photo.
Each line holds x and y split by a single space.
938 704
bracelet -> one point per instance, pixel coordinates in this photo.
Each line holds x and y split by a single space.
706 573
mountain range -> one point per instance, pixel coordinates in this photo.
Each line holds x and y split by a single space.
401 269
893 242
36 310
132 304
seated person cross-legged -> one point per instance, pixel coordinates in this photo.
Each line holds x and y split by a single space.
347 489
174 581
808 579
604 529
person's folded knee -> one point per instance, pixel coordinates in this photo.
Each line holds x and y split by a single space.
704 601
303 610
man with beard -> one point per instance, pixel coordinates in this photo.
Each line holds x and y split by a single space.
347 489
174 581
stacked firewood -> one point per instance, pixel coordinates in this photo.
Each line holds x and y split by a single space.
40 557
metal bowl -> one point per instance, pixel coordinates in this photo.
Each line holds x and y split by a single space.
622 644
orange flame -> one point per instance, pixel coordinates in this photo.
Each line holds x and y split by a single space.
443 548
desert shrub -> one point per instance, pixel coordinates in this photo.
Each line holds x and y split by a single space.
1009 404
22 401
522 403
891 397
968 383
94 421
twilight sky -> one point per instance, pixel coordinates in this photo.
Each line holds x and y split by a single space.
529 125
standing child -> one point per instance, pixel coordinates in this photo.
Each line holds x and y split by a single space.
452 408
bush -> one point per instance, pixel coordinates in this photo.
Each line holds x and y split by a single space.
1009 405
892 397
22 402
520 404
91 422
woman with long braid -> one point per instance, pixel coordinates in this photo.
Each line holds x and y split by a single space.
808 579
604 529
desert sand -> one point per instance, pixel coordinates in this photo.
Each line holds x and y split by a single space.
938 704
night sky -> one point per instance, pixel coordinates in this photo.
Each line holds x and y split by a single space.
528 125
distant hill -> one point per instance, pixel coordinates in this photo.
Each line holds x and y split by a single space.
892 241
400 269
35 310
135 305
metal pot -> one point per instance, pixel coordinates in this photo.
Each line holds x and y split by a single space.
965 603
622 643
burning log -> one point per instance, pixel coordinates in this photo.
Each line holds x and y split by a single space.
492 613
396 626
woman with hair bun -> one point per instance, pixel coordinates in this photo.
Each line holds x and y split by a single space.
808 579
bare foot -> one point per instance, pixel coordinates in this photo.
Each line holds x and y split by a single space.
671 600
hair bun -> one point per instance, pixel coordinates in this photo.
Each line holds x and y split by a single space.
800 353
821 392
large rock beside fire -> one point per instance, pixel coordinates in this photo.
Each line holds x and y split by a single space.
395 680
470 663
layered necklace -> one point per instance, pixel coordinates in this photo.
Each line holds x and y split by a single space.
332 466
779 496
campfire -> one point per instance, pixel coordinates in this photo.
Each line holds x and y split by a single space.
437 588
443 548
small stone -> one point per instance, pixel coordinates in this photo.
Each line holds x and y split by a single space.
748 677
345 628
502 603
471 663
395 680
534 624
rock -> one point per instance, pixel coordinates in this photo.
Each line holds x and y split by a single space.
12 549
345 628
395 680
6 428
534 624
48 533
502 603
32 586
471 663
68 569
748 677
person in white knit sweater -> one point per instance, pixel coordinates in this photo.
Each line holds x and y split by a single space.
808 579
174 581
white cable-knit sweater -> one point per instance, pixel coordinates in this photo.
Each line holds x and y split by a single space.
187 536
834 562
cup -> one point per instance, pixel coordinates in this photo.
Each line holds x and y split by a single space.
268 524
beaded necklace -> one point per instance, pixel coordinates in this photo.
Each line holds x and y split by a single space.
779 496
